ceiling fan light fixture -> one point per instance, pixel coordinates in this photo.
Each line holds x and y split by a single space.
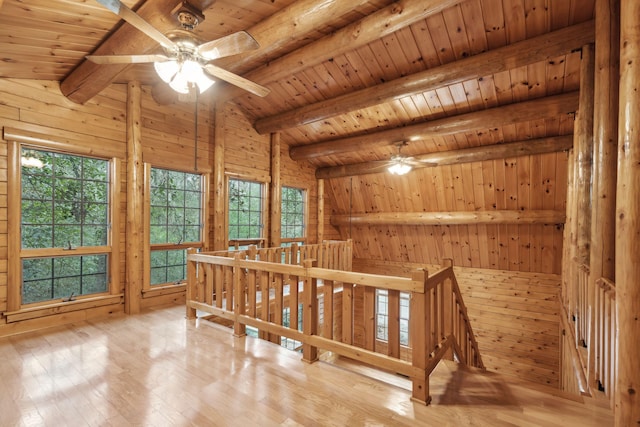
181 75
399 166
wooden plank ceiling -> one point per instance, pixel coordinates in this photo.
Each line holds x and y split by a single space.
348 83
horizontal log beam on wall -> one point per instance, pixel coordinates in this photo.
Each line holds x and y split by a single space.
518 54
451 218
537 109
465 155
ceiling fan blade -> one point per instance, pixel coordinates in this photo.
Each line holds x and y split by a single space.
126 59
134 19
228 45
235 79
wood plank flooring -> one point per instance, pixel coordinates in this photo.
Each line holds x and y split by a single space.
159 369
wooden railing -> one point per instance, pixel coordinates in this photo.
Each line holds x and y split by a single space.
604 337
251 290
590 308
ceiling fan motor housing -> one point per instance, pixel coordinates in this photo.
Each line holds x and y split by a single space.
187 15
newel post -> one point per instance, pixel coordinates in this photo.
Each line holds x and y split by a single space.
420 329
191 283
447 305
310 313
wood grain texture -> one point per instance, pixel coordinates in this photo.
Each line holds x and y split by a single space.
515 317
253 383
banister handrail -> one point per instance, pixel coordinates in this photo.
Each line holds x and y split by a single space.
252 292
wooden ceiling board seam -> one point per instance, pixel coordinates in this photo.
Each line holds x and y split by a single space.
424 44
515 22
458 36
440 38
493 17
474 24
536 17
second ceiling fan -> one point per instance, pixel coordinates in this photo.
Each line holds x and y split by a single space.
186 63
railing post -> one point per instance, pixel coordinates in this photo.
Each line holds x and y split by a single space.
420 328
239 299
310 313
191 284
447 306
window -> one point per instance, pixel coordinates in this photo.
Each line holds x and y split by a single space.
382 316
175 211
64 225
293 215
245 211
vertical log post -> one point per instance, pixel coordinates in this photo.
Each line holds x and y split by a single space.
220 239
135 211
310 313
584 151
627 409
420 337
605 133
191 284
275 205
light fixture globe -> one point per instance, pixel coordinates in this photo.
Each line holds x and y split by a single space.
399 166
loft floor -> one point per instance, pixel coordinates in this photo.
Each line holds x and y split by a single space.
159 369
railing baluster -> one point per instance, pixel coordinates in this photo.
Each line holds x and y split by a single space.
393 325
310 314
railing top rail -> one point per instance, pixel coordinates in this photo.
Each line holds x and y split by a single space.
402 284
607 285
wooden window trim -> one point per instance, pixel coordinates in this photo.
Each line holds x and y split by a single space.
149 290
15 253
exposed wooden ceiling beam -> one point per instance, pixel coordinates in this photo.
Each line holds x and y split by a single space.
542 108
465 155
89 79
451 218
518 54
293 22
372 27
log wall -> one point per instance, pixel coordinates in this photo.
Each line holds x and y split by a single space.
515 317
167 136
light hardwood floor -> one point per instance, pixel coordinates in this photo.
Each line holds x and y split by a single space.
159 369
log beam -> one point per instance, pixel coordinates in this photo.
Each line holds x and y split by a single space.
627 396
372 27
502 59
275 192
451 218
294 22
89 79
465 155
470 122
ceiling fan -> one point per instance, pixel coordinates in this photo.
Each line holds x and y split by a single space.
186 63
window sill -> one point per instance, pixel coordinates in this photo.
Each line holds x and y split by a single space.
51 309
160 290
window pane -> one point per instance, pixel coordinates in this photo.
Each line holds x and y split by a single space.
175 212
245 209
63 197
293 209
168 266
51 278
